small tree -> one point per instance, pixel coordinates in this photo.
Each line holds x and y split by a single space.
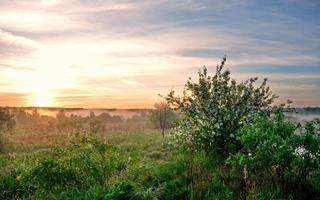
163 117
96 126
215 107
61 119
71 124
7 122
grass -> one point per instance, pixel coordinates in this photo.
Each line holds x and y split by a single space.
110 167
121 165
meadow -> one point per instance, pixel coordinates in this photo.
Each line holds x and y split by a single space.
123 164
133 163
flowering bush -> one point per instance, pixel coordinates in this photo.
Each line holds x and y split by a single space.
215 108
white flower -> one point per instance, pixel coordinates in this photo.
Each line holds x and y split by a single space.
300 151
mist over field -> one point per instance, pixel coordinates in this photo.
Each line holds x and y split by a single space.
304 114
299 115
302 117
123 113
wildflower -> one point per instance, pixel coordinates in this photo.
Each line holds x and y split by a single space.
19 178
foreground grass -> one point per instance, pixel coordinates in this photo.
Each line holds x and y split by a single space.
138 165
114 166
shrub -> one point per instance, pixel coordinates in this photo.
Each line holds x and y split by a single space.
50 173
215 108
121 190
10 186
275 152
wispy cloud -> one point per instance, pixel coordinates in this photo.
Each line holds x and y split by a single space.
14 45
123 53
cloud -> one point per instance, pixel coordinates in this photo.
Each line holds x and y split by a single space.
9 39
13 99
123 50
38 21
132 83
11 44
14 49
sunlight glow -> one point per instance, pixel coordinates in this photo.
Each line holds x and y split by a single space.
41 99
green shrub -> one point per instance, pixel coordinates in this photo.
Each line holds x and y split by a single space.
121 190
314 179
50 173
11 186
175 189
275 152
215 108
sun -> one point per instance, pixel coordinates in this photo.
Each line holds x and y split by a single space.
41 99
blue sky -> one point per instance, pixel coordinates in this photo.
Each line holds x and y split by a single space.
101 53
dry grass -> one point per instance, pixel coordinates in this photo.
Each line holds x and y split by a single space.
26 142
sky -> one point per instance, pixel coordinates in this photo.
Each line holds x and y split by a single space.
122 54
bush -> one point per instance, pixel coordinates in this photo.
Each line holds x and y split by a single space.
215 108
11 186
121 190
275 152
51 173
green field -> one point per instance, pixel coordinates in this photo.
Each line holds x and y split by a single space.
138 165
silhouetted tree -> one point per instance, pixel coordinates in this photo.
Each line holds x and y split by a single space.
7 122
96 126
163 116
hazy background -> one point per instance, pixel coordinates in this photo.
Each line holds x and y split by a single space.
124 113
300 115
